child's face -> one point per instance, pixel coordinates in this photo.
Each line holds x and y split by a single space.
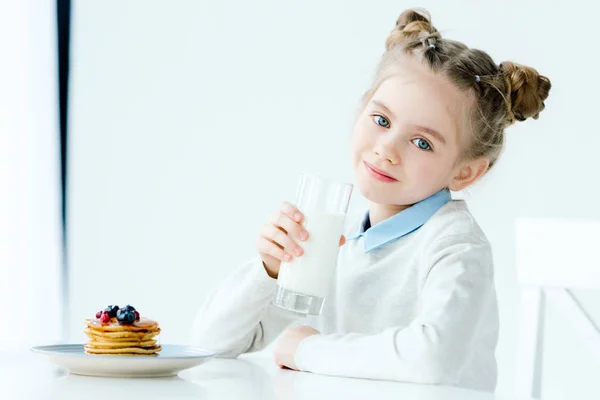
389 135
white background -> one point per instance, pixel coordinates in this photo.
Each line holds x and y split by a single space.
191 121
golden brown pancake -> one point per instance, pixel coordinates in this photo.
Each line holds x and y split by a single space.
143 325
124 351
122 335
119 345
124 354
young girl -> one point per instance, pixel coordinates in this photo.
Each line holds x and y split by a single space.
414 296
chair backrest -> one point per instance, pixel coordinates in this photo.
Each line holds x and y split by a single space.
552 256
558 252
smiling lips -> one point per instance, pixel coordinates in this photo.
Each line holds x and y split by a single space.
379 174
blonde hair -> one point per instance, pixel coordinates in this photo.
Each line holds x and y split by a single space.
503 94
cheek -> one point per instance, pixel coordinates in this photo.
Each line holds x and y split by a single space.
426 167
354 142
360 142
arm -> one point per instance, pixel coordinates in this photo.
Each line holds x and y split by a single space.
238 317
435 347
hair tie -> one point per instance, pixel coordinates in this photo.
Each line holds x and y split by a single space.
477 78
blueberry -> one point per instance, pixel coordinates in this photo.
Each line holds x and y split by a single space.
129 308
125 317
112 311
130 317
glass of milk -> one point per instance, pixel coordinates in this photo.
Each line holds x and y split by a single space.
303 283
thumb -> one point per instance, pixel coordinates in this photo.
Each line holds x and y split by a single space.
342 240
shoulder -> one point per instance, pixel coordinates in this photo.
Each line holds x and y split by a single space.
453 231
452 236
453 221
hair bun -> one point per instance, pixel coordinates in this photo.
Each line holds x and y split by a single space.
526 91
419 15
413 24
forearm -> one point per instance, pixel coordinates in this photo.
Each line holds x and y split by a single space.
238 317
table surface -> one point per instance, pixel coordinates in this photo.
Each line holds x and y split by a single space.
23 375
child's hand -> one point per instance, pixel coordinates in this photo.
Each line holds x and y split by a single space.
276 242
288 344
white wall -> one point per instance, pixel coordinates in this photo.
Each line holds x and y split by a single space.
191 121
30 246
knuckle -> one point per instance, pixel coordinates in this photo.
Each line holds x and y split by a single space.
266 229
289 243
273 231
274 217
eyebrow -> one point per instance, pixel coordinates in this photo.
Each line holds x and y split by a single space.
425 129
384 107
432 132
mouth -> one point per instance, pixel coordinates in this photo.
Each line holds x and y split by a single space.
379 174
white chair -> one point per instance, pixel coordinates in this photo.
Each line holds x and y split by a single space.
553 256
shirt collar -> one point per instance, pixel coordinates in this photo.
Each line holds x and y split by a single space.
401 224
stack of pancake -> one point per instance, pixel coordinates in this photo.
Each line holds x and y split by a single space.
114 338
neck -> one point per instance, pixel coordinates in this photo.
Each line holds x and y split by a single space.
381 212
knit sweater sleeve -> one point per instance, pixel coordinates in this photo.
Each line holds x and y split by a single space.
434 348
238 316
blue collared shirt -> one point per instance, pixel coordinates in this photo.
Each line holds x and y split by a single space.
401 224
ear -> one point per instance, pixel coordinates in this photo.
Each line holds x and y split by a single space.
467 173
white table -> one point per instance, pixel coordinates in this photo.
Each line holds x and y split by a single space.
25 376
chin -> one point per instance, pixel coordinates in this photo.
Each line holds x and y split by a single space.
376 192
397 193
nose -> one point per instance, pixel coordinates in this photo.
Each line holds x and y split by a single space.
387 151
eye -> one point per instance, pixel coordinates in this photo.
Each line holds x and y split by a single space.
381 121
422 144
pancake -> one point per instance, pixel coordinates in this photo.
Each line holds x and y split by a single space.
124 351
120 336
124 354
143 325
120 345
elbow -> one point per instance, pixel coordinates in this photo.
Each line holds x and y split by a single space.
208 337
430 357
441 368
433 364
437 374
221 348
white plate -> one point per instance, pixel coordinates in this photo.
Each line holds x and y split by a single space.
171 360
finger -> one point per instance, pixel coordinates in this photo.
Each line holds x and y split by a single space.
274 219
266 246
291 227
342 240
291 211
276 235
276 360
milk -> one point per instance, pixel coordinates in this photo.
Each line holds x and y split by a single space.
312 273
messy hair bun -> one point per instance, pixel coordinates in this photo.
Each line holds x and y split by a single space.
526 91
413 28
